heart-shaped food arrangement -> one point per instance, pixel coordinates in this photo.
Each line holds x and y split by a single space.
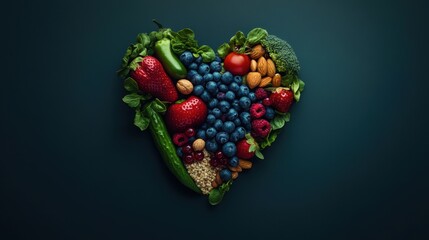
210 113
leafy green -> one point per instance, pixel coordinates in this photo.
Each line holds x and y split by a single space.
255 36
269 139
223 50
158 106
184 40
216 194
279 121
132 99
141 121
206 53
131 85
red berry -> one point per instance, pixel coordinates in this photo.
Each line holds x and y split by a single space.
180 139
213 162
198 156
281 99
260 93
257 110
261 127
243 149
266 102
190 132
188 159
187 149
219 155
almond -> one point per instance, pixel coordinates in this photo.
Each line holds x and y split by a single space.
253 65
218 179
234 175
265 81
198 144
262 66
235 169
184 86
277 80
245 164
257 52
253 79
271 68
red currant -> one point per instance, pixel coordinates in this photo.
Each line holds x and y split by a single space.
190 132
188 159
266 102
198 156
219 155
187 149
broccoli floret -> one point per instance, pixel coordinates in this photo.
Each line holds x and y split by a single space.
282 54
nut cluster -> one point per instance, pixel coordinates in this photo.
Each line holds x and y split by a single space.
202 173
263 70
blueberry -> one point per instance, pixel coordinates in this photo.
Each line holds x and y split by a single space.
186 58
241 131
228 126
233 162
236 105
220 96
252 96
224 106
269 113
234 137
244 103
210 119
229 96
223 88
248 126
193 66
211 87
237 122
213 103
179 152
198 90
191 139
203 69
234 87
211 132
216 76
229 149
205 96
215 66
225 174
198 60
208 77
201 134
245 118
238 80
232 114
197 79
211 145
216 112
191 73
222 137
204 126
218 124
243 91
218 59
226 78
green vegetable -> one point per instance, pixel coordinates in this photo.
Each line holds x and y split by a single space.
165 145
216 194
148 116
169 60
185 40
282 54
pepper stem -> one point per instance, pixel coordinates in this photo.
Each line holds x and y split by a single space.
157 23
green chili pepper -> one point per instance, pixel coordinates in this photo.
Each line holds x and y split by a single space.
169 60
165 145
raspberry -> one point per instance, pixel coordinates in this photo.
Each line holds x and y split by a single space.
180 139
260 93
261 127
257 110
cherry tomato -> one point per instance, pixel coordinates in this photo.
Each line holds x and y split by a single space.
236 63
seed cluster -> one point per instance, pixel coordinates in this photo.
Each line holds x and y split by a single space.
202 173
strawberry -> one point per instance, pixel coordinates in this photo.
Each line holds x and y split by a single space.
152 79
243 149
281 99
188 114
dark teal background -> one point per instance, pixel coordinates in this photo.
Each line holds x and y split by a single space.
351 164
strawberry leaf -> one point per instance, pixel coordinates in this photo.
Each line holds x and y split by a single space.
140 121
259 154
135 63
143 39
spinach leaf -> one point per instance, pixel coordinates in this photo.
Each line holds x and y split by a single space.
256 35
